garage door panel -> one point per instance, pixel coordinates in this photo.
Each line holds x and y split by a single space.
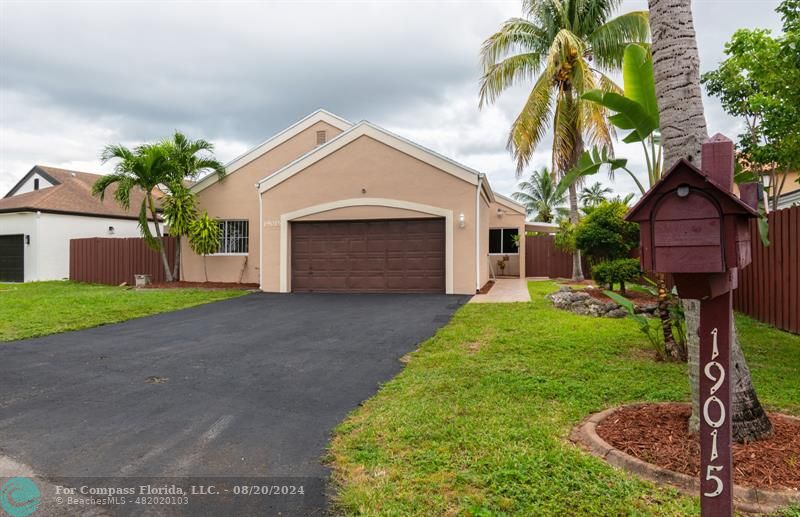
12 258
369 256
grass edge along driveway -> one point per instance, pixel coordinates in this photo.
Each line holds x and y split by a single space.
477 422
41 308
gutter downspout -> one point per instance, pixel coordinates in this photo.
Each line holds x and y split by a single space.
260 239
478 234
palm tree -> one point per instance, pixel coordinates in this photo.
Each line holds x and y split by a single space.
145 167
568 46
683 130
188 160
539 196
594 194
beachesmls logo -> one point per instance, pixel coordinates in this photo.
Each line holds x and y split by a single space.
19 497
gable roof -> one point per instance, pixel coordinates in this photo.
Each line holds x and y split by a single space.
384 136
36 170
510 203
680 165
71 193
298 127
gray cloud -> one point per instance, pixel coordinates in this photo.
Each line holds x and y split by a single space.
77 75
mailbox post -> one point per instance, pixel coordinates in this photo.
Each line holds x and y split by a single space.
692 226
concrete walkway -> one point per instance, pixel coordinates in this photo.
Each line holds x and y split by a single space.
505 290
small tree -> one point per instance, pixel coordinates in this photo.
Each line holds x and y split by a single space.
604 234
204 235
758 81
188 159
180 211
144 167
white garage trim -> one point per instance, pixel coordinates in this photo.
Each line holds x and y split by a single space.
392 203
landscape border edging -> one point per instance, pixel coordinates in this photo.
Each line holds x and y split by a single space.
746 499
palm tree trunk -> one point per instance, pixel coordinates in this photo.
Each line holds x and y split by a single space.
577 269
160 237
177 271
676 67
676 70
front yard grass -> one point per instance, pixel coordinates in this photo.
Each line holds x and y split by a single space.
40 308
477 422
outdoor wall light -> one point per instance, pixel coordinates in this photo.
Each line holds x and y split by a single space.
28 240
683 191
461 220
111 230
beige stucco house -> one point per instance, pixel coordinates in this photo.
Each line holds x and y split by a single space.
328 205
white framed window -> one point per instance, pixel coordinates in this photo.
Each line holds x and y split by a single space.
234 238
503 241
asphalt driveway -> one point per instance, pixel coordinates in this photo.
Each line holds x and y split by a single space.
249 387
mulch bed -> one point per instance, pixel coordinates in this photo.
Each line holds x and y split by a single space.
657 434
637 297
201 285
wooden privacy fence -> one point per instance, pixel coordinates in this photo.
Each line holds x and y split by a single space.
542 258
769 288
114 261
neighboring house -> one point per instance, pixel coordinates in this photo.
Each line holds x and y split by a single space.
790 194
328 205
46 209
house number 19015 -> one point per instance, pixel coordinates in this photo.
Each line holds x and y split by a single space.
714 372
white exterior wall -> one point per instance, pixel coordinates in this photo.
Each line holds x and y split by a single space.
47 256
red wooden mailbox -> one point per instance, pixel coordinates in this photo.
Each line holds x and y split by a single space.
691 225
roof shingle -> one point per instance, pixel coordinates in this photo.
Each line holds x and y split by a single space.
72 194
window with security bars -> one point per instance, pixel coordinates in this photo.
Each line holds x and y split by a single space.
234 237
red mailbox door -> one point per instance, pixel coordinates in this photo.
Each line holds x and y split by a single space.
687 233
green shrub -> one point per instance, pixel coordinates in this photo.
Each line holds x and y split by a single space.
618 271
565 237
604 234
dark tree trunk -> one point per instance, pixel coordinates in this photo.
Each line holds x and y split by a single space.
160 237
749 420
177 272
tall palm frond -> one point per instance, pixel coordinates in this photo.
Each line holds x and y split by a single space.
608 41
594 194
557 40
539 195
532 123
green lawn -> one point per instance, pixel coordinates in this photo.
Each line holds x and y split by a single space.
39 308
477 422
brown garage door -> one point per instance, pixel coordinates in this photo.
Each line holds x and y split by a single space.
404 255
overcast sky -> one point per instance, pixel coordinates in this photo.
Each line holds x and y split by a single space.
75 76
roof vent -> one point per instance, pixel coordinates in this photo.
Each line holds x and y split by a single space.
322 137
